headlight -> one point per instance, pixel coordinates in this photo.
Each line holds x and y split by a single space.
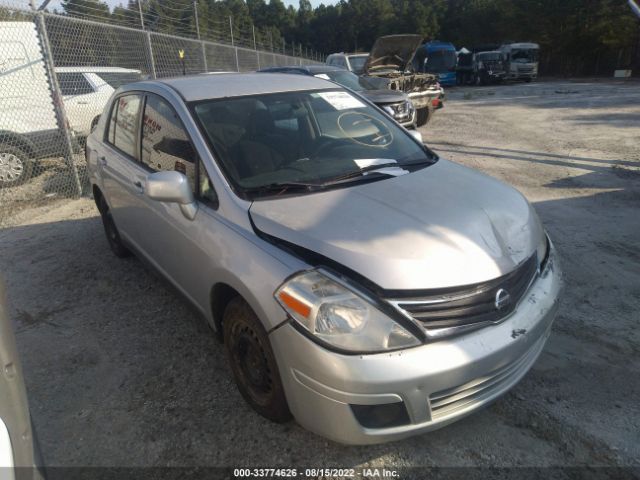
339 316
399 110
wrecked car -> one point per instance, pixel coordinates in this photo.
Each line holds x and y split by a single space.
390 59
489 67
359 283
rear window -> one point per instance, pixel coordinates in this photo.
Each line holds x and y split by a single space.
72 83
117 79
357 62
124 124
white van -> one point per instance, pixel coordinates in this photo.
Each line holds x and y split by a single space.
28 124
29 127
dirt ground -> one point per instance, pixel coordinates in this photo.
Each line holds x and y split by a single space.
121 372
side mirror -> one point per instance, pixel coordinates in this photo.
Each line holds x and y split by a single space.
172 187
417 135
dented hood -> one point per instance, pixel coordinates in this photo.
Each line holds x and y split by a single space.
442 226
392 52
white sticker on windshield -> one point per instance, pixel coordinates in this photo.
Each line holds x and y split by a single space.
341 100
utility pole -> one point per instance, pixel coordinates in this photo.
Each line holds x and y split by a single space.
255 45
204 51
195 14
235 49
139 2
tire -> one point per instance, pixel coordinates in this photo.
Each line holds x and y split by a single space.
16 166
423 116
94 123
252 362
111 231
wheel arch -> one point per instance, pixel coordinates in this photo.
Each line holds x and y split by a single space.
19 141
220 296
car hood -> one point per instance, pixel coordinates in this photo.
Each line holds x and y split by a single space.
442 226
392 52
384 96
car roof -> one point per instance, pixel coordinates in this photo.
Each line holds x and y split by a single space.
353 54
204 87
95 70
305 69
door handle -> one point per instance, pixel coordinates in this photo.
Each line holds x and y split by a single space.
102 161
82 103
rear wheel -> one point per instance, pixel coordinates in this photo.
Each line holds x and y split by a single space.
111 231
15 165
252 361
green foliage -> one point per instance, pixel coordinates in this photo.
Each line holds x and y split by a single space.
576 36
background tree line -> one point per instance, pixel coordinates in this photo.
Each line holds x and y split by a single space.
577 37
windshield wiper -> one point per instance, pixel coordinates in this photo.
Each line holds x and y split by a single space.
283 187
360 172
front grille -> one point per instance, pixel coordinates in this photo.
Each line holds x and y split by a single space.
446 402
525 69
471 304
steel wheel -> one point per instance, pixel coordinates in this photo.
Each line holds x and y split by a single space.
111 231
252 361
248 354
15 166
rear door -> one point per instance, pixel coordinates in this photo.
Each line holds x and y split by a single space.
122 173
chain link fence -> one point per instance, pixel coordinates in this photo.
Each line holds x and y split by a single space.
56 75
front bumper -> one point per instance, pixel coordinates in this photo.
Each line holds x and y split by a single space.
438 383
423 99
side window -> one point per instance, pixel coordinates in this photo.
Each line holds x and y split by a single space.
165 143
73 84
123 125
206 193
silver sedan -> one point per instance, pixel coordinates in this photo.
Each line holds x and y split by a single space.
358 281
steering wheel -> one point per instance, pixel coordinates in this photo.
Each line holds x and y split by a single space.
327 144
291 167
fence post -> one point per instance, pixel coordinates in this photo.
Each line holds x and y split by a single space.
58 105
233 44
204 53
152 61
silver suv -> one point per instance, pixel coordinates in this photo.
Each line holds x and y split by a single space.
358 281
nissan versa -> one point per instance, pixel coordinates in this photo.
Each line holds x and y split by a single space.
359 283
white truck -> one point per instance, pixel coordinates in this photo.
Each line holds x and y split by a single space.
521 60
29 128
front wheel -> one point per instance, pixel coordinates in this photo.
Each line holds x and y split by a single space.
252 361
15 165
423 116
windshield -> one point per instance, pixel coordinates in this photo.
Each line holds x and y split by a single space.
489 56
357 62
349 80
440 61
524 56
117 79
302 138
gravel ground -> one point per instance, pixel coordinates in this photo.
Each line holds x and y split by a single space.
121 372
